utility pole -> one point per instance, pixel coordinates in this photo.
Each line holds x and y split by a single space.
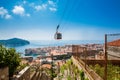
85 57
52 67
105 64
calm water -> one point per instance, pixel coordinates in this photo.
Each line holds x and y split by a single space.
40 44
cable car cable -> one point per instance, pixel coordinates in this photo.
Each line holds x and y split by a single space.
75 7
72 6
58 35
63 13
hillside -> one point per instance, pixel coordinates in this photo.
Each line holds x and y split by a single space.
14 42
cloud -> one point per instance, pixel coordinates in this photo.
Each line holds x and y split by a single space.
8 16
51 3
38 8
32 5
19 10
4 13
41 7
52 6
24 2
52 9
28 14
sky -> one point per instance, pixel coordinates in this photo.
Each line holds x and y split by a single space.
78 19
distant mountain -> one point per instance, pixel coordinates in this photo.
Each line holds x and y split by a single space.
14 42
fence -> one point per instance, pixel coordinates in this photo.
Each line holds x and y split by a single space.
108 58
113 46
112 53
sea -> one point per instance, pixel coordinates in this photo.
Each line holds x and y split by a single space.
51 43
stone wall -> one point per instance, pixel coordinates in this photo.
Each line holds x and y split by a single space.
114 48
113 53
89 73
4 73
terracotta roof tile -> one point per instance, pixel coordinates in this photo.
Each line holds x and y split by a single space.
114 43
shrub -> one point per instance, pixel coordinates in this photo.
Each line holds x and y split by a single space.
9 57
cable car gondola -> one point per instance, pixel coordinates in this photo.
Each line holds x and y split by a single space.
58 35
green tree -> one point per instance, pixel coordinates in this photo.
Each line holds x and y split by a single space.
62 69
113 72
98 69
82 75
9 57
69 77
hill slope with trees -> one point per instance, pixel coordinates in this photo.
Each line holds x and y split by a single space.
14 42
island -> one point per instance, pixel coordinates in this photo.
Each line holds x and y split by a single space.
14 42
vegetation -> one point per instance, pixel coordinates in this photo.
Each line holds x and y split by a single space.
62 69
113 71
9 57
69 78
82 75
86 79
50 72
20 67
98 69
71 72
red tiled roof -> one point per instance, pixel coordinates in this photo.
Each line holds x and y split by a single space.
46 66
114 43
